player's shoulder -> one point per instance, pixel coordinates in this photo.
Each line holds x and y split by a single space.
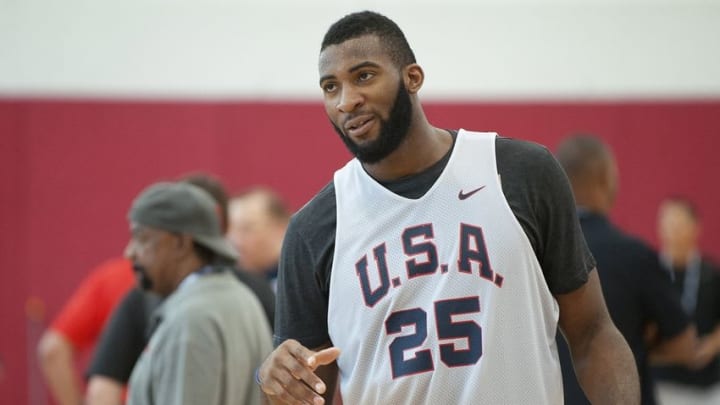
317 213
525 151
526 162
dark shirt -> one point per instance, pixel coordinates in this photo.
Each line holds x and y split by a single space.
706 317
262 290
637 292
130 327
536 190
269 274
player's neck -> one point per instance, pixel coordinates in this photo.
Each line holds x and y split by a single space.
424 146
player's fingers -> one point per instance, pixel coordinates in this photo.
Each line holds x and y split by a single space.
323 357
282 386
297 350
285 374
302 373
307 362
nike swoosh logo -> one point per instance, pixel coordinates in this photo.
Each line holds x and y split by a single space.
469 194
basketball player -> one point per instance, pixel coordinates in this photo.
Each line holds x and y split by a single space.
435 267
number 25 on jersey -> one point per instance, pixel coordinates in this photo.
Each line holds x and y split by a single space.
447 330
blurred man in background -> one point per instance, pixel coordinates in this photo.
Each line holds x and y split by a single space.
637 291
129 329
258 219
697 281
211 331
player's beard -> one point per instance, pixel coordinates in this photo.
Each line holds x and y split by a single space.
393 131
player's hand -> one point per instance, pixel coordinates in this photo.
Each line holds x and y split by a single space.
288 374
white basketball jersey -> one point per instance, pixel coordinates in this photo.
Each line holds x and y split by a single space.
440 300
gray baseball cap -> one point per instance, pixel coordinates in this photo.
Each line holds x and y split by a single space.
182 208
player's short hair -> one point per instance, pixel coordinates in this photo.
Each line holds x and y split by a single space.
685 203
363 23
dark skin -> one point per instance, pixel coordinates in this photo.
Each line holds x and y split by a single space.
167 257
358 79
355 78
604 364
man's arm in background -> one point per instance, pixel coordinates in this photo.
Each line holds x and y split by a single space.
56 356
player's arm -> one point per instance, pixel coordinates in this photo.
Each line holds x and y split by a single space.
56 355
293 373
604 365
603 362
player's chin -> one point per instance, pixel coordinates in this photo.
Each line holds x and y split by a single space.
365 140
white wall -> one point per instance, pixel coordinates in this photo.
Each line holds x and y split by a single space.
267 49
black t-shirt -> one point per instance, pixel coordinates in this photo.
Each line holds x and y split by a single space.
128 331
534 185
124 337
637 292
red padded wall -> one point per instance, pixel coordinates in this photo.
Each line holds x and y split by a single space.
69 170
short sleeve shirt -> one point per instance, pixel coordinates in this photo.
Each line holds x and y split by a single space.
82 318
534 185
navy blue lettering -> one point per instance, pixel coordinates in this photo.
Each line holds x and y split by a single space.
474 252
372 296
422 361
427 248
449 330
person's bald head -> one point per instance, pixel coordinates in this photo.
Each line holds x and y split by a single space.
592 171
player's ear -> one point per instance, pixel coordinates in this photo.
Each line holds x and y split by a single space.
413 76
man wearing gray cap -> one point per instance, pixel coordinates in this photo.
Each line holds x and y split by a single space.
211 331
